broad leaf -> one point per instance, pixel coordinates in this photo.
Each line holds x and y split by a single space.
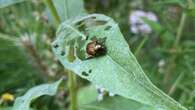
5 3
69 8
89 101
91 96
23 103
118 71
116 103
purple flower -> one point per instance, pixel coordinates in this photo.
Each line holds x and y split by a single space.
137 23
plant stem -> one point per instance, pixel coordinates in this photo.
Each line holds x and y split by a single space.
137 51
177 81
175 46
53 11
72 90
71 76
180 29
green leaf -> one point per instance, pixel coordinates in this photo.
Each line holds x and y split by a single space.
69 8
23 103
5 3
89 101
118 71
91 96
154 25
116 103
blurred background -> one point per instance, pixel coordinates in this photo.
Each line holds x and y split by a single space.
160 33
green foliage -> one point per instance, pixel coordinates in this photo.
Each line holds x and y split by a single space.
116 103
163 33
5 3
69 8
16 70
121 70
171 68
179 2
89 101
91 96
23 103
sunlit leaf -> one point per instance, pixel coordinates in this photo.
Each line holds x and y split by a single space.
23 103
118 70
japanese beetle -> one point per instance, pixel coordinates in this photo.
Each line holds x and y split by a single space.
96 47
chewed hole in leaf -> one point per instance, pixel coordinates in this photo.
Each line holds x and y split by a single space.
71 54
87 37
85 73
93 23
90 22
55 45
81 27
79 23
101 22
80 52
108 28
62 53
90 70
93 17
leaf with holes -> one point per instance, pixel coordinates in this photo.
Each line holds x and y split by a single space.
115 69
23 103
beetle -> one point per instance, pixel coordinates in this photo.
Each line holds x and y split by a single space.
96 47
